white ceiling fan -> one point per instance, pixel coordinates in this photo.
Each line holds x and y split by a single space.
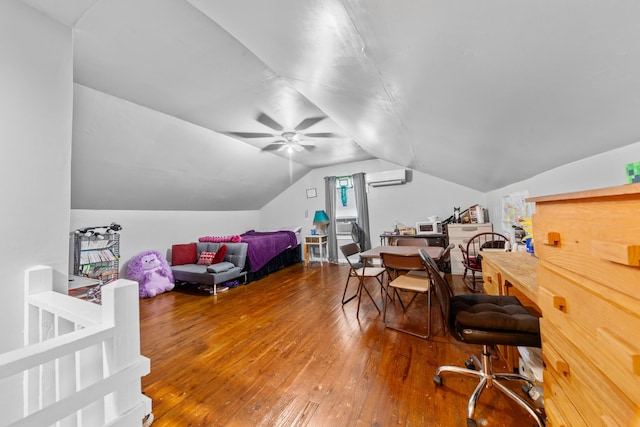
290 140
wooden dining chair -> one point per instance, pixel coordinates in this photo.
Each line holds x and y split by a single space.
401 282
472 257
412 241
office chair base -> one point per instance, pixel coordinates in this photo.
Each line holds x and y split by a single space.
487 380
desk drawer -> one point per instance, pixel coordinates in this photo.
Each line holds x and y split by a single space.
557 405
458 231
602 332
581 238
592 394
492 280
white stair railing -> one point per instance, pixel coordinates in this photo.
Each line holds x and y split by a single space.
81 362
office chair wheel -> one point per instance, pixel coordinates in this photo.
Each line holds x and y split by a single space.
469 364
471 423
437 379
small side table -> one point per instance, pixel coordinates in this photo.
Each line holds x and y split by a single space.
319 240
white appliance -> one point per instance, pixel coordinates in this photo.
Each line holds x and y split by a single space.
392 177
344 224
429 227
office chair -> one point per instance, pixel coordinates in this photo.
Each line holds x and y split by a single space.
488 320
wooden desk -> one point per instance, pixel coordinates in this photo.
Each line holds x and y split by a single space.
503 270
319 240
433 251
514 274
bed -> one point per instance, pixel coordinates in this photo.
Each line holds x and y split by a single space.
268 251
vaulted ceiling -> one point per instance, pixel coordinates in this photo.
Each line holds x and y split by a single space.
480 93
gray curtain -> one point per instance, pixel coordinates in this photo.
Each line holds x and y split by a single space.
360 190
330 208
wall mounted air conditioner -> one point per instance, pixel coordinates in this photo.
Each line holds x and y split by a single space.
392 177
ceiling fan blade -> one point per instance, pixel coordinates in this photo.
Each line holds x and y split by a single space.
251 134
322 135
273 147
307 147
297 147
269 122
308 122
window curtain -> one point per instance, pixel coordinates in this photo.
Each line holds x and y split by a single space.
362 205
330 208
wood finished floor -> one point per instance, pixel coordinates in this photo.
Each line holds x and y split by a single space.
284 351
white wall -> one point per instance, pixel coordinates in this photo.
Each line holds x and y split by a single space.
602 170
414 201
35 157
158 230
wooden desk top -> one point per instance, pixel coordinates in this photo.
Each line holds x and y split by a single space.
433 251
517 268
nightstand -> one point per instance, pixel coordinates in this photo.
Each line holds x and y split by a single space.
319 240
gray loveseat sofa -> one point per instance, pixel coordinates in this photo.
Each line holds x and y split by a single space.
233 266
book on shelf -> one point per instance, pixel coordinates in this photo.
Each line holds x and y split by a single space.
86 245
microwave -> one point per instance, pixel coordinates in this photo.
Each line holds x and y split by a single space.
429 227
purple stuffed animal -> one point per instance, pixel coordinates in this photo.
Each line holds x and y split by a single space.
152 272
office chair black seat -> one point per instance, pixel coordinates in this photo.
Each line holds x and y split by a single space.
488 320
493 320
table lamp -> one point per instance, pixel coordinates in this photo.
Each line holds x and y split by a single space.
320 220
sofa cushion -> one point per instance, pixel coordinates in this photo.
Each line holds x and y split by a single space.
222 251
184 254
220 267
206 258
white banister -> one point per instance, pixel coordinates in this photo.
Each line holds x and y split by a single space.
81 361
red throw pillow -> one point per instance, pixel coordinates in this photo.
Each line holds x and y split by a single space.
222 251
184 254
206 258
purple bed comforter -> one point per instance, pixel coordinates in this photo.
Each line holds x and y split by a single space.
262 246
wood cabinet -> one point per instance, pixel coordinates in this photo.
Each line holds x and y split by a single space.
588 276
460 234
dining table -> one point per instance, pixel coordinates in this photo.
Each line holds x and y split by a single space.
374 253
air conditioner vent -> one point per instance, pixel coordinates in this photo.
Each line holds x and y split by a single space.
391 177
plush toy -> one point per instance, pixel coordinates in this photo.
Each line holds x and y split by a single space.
456 215
152 272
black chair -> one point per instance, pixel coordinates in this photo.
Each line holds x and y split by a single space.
357 235
445 258
488 320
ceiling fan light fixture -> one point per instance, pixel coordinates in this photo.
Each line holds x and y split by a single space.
290 136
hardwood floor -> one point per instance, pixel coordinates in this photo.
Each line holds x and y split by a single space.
284 351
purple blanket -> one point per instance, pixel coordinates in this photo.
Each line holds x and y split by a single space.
262 246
